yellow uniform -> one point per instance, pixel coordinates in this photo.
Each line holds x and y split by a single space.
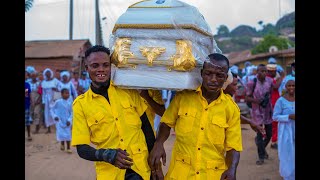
114 125
204 132
157 97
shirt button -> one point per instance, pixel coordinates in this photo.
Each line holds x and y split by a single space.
202 128
186 114
116 119
206 109
198 148
121 140
138 149
197 172
215 167
96 121
182 160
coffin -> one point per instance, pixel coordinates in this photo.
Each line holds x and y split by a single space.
158 44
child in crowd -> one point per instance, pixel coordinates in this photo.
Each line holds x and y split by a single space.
62 113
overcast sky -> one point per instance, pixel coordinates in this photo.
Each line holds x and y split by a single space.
49 19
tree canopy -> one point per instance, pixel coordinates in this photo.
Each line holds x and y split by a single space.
271 40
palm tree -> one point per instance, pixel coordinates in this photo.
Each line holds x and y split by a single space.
28 4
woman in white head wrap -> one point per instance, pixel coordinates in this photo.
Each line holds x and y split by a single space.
250 75
49 85
66 83
284 113
29 70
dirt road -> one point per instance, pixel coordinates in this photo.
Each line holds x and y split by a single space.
45 161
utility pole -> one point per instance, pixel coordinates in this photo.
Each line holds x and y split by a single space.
71 20
98 25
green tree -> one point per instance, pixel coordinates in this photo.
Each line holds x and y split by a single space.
27 5
271 40
223 31
268 29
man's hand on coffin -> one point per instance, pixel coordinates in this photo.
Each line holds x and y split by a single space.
158 108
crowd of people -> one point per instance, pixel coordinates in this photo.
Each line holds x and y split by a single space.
128 127
44 90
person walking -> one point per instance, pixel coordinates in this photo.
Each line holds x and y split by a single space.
36 99
65 83
27 102
61 112
284 114
49 85
109 118
259 94
207 125
277 79
229 88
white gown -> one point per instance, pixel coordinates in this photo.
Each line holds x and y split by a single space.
63 110
286 137
47 99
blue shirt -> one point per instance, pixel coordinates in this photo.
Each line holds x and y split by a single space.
27 99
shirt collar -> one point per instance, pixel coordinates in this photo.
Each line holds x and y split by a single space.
91 94
222 96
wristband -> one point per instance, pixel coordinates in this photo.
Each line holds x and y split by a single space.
109 155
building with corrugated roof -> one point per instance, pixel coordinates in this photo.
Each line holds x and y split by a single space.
56 54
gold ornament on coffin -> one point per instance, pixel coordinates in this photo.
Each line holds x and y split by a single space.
122 52
151 53
183 60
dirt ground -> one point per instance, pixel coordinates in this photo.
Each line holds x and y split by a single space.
45 161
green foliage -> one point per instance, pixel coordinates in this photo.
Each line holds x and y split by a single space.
236 44
244 30
271 40
223 31
268 29
27 5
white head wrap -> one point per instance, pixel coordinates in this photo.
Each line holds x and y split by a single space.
291 78
234 69
30 69
228 81
272 60
44 73
65 73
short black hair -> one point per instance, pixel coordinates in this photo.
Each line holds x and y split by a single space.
293 64
261 65
64 89
219 57
96 48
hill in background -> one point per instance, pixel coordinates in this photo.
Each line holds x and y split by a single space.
245 37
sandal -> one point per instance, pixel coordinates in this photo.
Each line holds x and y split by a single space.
29 138
69 151
260 162
62 147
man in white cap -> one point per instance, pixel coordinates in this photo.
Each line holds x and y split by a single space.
277 79
279 68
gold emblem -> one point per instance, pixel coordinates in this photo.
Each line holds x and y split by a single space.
122 52
151 53
183 60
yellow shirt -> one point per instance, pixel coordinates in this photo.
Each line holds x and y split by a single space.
157 97
114 125
203 134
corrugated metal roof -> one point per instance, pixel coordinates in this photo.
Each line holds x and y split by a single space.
54 48
238 57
